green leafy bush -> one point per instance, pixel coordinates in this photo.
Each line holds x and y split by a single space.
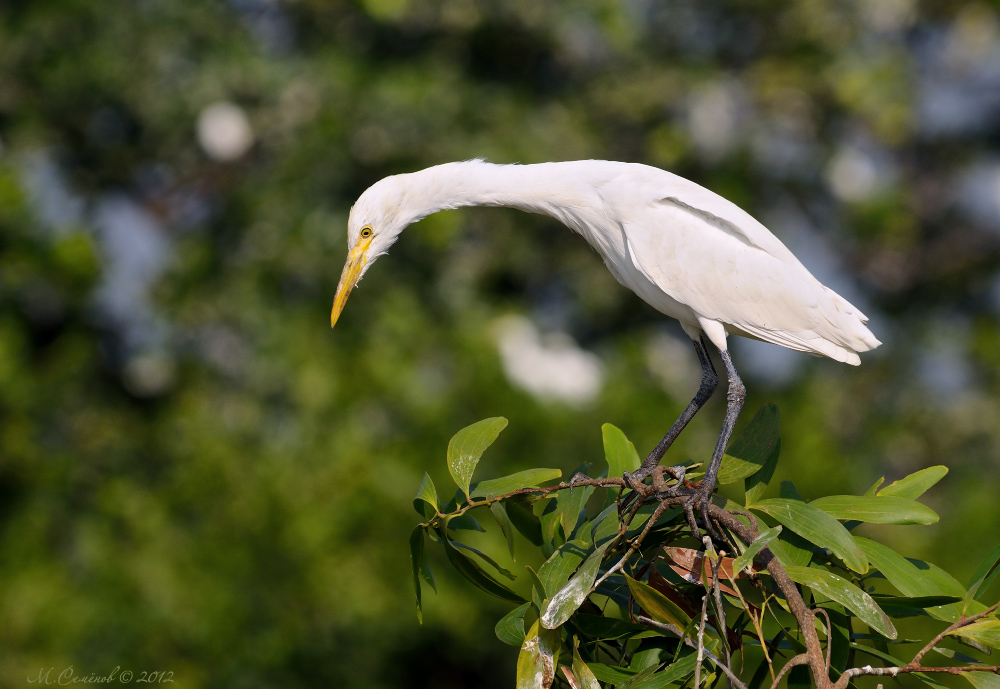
628 597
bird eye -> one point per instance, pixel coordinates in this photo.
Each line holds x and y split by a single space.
366 231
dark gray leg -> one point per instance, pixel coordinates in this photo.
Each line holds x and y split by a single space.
709 381
737 394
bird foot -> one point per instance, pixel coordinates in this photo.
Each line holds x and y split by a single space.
700 500
659 489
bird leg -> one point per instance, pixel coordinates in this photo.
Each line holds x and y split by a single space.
702 495
709 381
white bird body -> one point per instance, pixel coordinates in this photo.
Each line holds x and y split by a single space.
686 251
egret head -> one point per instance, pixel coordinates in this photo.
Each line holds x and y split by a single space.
374 225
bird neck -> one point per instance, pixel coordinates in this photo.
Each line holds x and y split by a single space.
532 188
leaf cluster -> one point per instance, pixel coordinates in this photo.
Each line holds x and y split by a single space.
631 599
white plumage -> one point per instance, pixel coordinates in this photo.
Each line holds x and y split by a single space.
685 250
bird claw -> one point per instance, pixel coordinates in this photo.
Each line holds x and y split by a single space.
700 499
578 477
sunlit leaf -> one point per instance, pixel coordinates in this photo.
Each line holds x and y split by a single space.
955 655
791 549
671 674
467 447
985 632
585 678
916 484
876 510
510 628
426 500
619 451
845 593
474 573
538 659
556 571
759 543
914 578
816 526
982 680
531 478
570 597
749 452
656 605
875 486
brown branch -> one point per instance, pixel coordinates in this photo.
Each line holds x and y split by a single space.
829 634
803 615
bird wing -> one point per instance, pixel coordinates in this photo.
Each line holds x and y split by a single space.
706 253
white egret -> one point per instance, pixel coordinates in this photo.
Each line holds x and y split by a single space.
686 251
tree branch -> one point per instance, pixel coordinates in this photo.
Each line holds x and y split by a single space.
687 642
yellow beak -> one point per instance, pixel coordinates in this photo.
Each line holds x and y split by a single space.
356 260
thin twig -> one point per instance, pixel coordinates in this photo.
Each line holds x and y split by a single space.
829 636
701 640
687 642
800 659
958 625
756 623
720 613
657 513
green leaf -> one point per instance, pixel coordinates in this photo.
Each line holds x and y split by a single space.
875 486
510 628
656 605
474 573
417 564
985 574
759 543
670 674
985 632
845 593
530 478
955 655
503 521
556 571
538 594
620 453
816 526
610 673
570 503
465 522
585 678
876 510
467 446
570 597
538 659
605 525
522 516
755 485
606 627
911 607
916 484
425 502
486 558
982 680
748 453
914 578
791 549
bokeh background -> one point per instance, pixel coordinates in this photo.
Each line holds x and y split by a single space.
197 475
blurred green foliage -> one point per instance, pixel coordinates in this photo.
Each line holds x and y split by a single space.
196 475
